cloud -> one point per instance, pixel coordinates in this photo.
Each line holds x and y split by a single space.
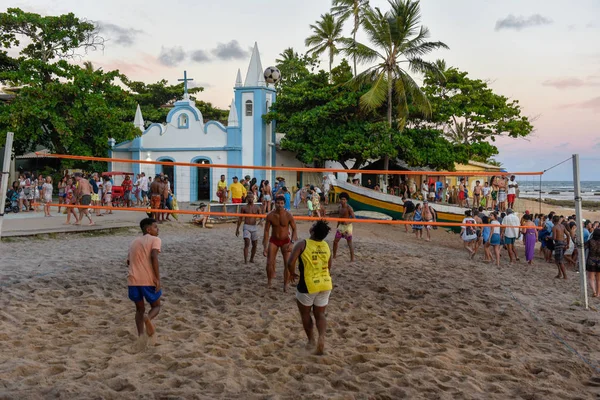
592 104
199 56
562 145
194 84
521 22
229 51
171 57
123 36
569 82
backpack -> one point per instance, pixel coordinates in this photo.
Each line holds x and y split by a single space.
94 186
469 230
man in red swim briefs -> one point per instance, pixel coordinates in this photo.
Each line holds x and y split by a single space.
281 221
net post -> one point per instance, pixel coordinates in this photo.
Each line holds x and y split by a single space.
5 175
579 241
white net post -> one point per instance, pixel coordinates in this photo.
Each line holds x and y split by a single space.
579 241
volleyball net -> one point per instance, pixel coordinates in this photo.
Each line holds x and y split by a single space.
197 188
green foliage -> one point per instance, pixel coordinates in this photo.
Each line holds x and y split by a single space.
323 121
468 111
47 37
65 107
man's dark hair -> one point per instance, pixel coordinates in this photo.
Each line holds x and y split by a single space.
284 189
485 219
480 209
78 175
468 213
280 198
555 219
344 195
145 223
321 230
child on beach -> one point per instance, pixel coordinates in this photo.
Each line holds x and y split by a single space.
314 285
47 195
70 200
143 279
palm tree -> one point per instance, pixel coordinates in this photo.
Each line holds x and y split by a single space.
344 9
327 34
287 55
399 41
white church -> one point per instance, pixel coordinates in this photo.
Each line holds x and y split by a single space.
246 141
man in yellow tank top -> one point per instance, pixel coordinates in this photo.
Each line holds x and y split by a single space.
314 284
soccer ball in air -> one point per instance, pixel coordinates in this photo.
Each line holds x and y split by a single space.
272 75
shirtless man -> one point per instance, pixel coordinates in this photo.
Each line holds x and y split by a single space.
428 216
83 193
279 238
267 192
250 228
156 189
165 198
344 229
560 241
477 195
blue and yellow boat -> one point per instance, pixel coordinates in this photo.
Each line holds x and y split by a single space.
365 199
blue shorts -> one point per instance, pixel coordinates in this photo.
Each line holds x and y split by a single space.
495 240
139 293
508 240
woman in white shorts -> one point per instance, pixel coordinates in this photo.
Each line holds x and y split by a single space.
314 285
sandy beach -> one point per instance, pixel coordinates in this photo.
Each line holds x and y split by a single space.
407 320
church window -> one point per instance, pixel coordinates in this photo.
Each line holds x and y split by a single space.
248 108
267 106
183 121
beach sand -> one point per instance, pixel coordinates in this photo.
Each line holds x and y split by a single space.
407 320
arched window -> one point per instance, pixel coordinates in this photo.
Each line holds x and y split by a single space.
183 122
267 106
248 108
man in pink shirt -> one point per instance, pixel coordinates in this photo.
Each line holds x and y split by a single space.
144 278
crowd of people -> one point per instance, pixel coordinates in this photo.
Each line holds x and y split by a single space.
499 192
88 189
557 235
313 197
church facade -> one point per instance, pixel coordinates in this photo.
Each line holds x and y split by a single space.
246 140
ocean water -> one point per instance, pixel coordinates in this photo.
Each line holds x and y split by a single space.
558 190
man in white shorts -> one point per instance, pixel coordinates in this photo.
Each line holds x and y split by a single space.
250 228
314 285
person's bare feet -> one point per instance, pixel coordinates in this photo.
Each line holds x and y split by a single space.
91 223
320 346
149 327
77 223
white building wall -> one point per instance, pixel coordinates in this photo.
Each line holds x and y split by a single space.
121 166
248 130
183 174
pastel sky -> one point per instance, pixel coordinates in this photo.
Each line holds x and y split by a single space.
544 53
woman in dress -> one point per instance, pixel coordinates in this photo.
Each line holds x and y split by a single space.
530 236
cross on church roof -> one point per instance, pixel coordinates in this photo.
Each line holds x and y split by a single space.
185 79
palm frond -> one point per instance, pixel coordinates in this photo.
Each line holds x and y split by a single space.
378 93
412 89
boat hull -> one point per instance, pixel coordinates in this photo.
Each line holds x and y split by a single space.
364 199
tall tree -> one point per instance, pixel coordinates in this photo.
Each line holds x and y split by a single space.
60 105
398 42
346 9
327 35
468 111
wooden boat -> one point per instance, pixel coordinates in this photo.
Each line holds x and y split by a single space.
365 199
